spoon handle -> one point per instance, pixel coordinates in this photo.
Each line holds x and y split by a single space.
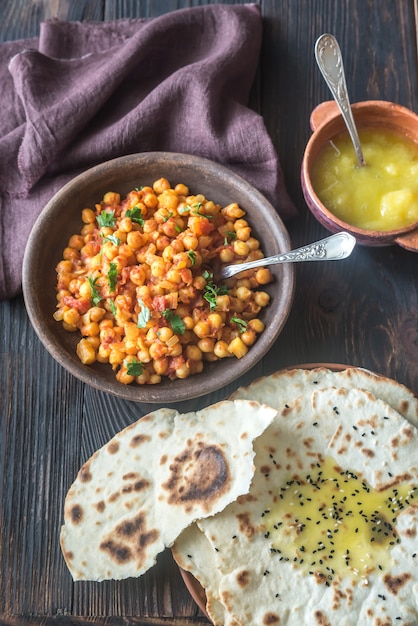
330 62
333 248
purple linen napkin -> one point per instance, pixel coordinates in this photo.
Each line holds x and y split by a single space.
83 93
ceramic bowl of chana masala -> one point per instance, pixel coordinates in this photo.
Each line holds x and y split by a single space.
121 277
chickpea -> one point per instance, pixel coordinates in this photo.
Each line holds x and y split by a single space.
94 341
201 329
252 243
206 344
181 189
215 321
183 371
194 353
87 231
248 337
263 276
243 293
86 352
111 198
238 347
257 325
157 350
161 185
135 239
76 241
161 365
103 354
125 225
232 211
88 216
70 254
226 255
165 333
240 248
71 317
221 350
116 357
123 377
262 298
190 242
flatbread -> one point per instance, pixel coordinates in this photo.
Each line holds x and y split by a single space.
136 494
322 414
277 388
361 434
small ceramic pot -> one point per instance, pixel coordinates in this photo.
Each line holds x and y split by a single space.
326 122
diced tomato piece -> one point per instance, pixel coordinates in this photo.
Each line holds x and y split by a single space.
161 303
82 305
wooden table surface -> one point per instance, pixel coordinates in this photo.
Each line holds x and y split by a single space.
362 311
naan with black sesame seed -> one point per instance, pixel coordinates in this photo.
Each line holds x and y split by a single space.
276 388
327 534
136 494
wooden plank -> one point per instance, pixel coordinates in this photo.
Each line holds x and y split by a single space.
361 312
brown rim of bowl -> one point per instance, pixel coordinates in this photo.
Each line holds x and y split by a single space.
39 278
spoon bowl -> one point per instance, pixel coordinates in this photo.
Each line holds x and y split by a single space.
329 59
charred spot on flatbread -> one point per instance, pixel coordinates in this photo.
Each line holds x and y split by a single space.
198 474
321 619
138 439
243 578
130 540
117 551
84 474
75 514
270 619
395 583
113 447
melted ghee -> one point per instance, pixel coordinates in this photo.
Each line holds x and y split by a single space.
381 196
332 523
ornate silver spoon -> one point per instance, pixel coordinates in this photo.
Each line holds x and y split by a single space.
333 248
330 62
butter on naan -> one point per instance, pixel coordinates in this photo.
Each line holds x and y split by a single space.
321 415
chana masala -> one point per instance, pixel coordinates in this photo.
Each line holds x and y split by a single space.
138 283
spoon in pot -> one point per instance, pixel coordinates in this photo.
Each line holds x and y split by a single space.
329 59
333 248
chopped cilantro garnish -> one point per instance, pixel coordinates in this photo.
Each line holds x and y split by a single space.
212 290
134 367
175 321
230 235
167 217
112 276
95 295
192 256
197 208
242 324
113 239
106 218
136 215
144 314
113 307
